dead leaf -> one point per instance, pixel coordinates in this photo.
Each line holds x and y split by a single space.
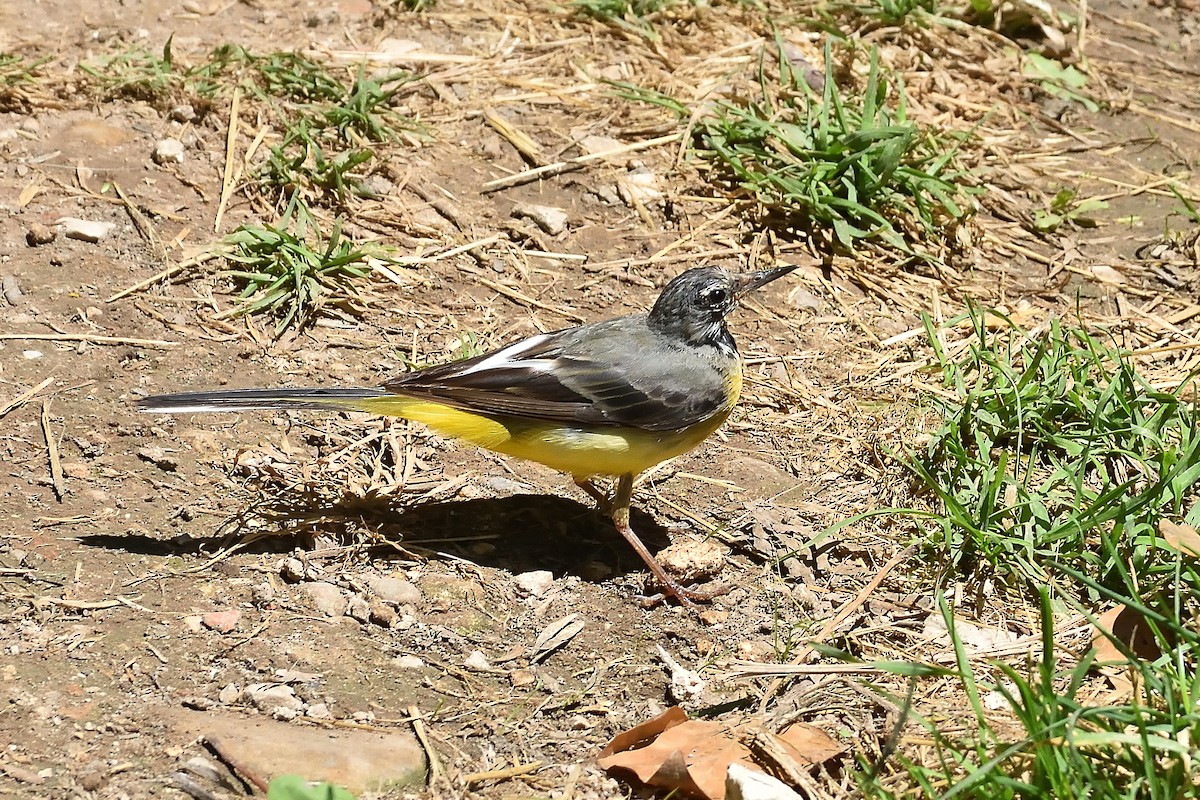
808 744
28 193
555 635
1128 627
688 756
1179 537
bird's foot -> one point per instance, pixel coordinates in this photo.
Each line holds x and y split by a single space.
686 597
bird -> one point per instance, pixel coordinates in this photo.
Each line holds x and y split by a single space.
611 398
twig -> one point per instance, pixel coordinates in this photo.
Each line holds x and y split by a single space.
196 260
227 178
436 771
56 473
87 337
559 167
23 398
241 770
503 774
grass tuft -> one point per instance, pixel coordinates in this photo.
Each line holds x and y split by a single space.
1051 439
849 163
294 271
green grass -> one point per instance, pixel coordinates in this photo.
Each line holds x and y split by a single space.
635 16
847 162
295 271
1051 439
1055 740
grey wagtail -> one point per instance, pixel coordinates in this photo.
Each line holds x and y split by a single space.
608 398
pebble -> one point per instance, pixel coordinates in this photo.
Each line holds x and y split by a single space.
182 113
383 615
744 783
396 591
358 609
407 662
537 582
168 151
85 230
318 711
292 570
221 621
328 598
158 457
12 292
38 234
229 694
271 696
550 219
31 355
478 662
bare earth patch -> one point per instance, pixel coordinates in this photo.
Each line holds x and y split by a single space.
301 586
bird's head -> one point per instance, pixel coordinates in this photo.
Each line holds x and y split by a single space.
694 305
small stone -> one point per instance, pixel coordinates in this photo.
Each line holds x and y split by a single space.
318 711
221 621
197 703
478 661
168 151
537 582
284 714
692 560
182 113
713 616
76 469
12 292
91 779
262 594
358 609
521 678
267 697
383 615
550 219
158 457
31 355
38 234
85 230
292 570
407 662
328 598
229 694
395 591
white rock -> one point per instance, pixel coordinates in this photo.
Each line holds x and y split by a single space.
272 696
743 783
394 590
229 694
478 661
537 582
168 151
31 355
550 219
407 662
85 230
328 598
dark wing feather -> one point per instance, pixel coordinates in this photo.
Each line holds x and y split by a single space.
613 373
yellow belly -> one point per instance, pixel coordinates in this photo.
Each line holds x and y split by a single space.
580 450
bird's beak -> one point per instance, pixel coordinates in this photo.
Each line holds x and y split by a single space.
749 281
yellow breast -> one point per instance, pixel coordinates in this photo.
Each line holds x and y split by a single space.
581 450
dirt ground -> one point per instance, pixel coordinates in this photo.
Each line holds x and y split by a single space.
114 562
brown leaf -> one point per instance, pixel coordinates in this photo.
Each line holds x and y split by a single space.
689 756
809 744
1182 538
1128 627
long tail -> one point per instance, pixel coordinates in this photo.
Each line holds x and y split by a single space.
373 400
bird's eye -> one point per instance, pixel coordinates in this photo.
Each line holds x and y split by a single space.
715 296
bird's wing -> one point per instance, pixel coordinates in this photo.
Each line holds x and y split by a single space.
615 373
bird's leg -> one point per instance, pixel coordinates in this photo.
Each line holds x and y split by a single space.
603 501
620 516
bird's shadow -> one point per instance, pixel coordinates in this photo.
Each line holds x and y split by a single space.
517 534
